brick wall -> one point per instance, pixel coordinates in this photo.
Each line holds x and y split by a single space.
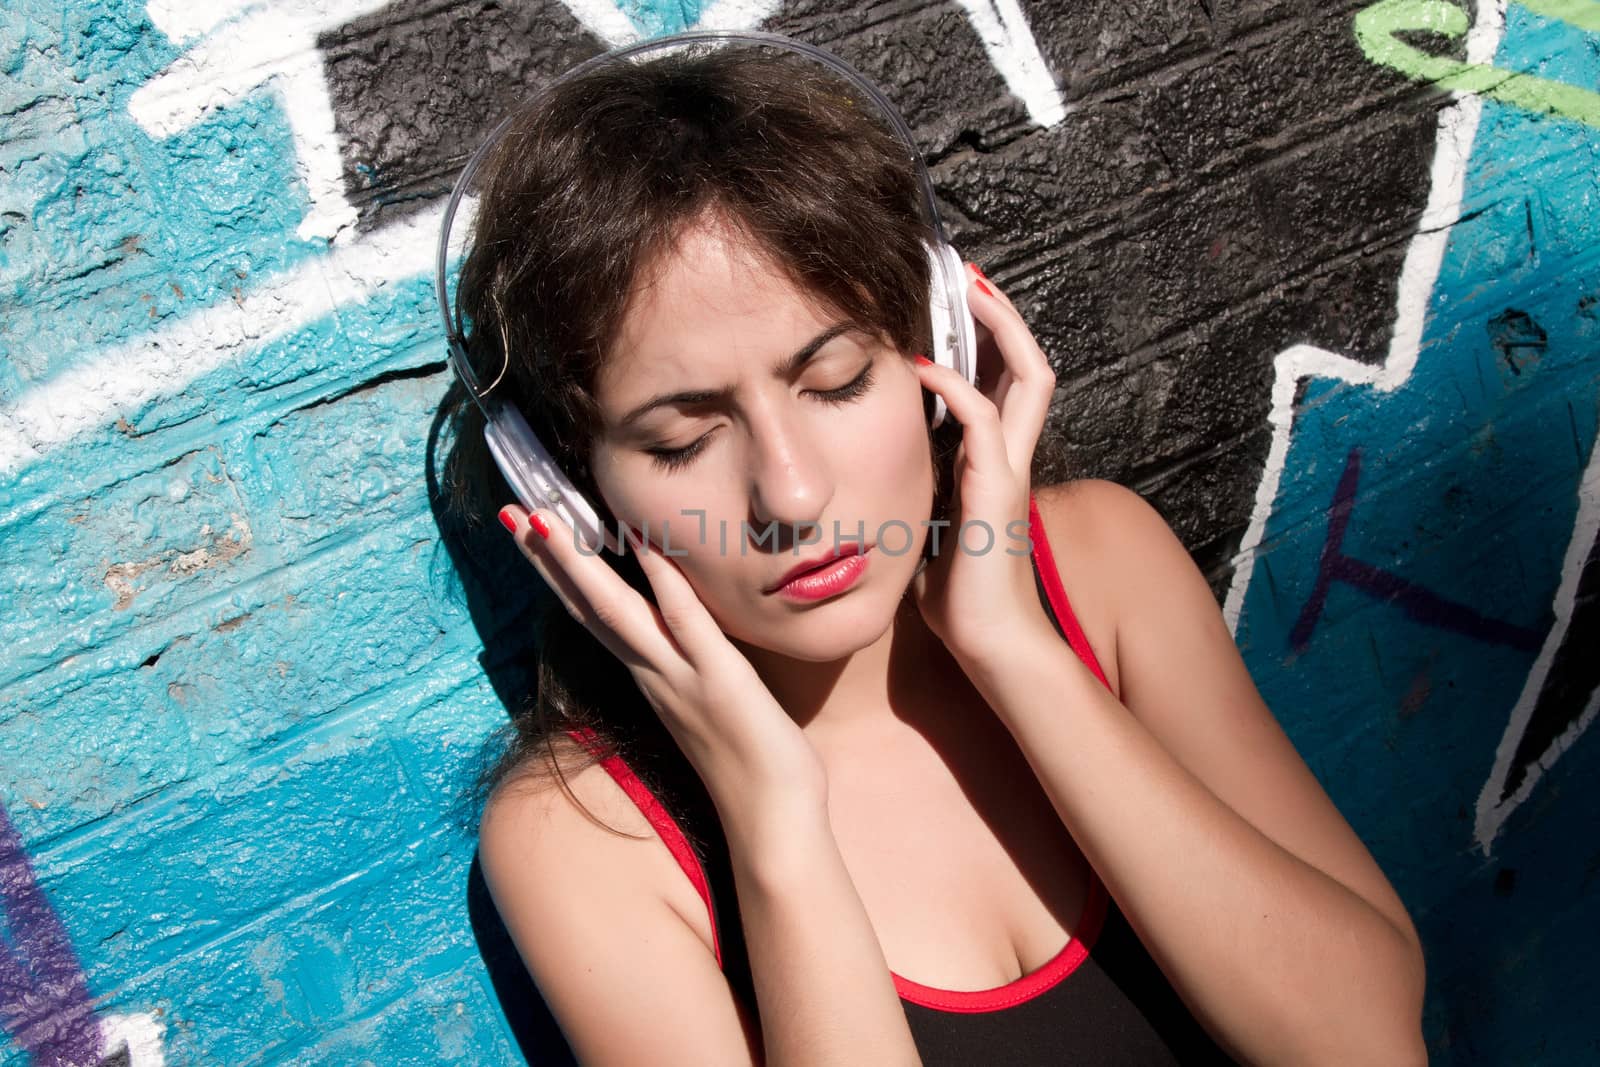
1318 279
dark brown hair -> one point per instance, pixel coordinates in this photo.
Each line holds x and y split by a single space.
585 193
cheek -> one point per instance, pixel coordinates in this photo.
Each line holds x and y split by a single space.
631 487
898 436
725 584
639 495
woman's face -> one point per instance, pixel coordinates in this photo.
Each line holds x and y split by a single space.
770 453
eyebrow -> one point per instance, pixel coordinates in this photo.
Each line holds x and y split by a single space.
788 368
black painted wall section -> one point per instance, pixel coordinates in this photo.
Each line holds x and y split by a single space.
417 86
1229 180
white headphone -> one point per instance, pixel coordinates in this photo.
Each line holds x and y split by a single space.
522 457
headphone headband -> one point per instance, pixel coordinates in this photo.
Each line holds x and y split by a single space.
451 314
528 466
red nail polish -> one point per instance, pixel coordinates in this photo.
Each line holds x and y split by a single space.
924 361
983 284
540 527
507 521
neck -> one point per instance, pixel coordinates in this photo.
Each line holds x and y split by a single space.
905 674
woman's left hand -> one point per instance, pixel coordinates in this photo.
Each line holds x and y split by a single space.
978 592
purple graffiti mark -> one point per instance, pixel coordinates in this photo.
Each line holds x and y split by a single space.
1421 604
44 996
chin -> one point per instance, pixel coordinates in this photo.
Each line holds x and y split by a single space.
829 630
834 643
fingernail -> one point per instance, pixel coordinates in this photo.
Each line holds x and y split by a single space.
540 527
983 284
924 361
508 520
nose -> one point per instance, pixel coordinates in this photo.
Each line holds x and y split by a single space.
791 482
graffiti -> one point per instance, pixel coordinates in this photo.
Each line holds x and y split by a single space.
1562 694
1557 699
1322 288
99 387
274 43
292 45
1421 604
1378 27
400 149
1457 128
1584 14
44 995
131 1041
1003 29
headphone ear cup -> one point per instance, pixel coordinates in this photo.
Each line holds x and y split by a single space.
537 481
954 338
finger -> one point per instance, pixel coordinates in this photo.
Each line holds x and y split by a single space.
1026 400
593 593
515 519
989 288
679 607
982 438
993 377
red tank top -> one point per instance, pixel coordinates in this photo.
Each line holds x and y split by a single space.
1100 1000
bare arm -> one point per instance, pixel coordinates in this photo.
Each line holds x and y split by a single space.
824 987
1253 894
597 918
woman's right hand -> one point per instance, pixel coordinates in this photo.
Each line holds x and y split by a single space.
743 744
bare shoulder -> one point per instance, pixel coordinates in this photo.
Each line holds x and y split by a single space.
1097 515
532 810
597 909
1116 536
532 796
533 828
1094 529
1183 677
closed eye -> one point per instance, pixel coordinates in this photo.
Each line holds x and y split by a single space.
672 459
846 393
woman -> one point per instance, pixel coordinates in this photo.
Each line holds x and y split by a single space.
995 799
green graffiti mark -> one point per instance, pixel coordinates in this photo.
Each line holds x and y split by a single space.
1584 14
1377 25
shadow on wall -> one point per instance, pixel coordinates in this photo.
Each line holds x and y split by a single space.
503 612
535 1028
517 619
481 557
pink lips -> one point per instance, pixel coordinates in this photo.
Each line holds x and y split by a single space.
809 581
